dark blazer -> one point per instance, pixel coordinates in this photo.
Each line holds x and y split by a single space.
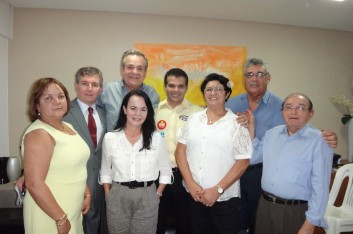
92 221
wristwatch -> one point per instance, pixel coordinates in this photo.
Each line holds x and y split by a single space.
220 189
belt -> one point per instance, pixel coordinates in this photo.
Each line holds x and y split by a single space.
136 184
277 200
255 166
175 169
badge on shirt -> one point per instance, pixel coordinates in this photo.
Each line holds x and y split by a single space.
162 124
184 117
162 133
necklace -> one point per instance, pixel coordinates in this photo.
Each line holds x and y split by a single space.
211 120
62 128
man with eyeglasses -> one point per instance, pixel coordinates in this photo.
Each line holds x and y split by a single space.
296 175
266 108
133 69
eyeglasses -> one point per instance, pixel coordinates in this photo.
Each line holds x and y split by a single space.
258 75
215 89
296 108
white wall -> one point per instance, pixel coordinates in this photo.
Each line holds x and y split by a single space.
56 43
5 35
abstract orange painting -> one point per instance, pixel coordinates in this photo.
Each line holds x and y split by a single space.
197 61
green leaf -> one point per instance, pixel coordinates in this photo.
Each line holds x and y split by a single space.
346 118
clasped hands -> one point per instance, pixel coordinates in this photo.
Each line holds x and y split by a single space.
207 197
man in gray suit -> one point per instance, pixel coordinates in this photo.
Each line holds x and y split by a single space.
88 86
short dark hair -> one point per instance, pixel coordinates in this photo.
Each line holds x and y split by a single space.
37 90
221 79
177 72
88 71
148 127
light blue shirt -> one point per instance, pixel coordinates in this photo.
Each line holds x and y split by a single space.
267 115
112 97
297 167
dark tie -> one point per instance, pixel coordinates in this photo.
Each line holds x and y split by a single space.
92 127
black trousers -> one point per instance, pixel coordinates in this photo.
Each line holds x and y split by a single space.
174 204
250 185
218 219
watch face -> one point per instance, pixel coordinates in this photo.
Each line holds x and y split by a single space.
219 190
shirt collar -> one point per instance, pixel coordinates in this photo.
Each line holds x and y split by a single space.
122 85
264 98
164 104
302 132
228 115
84 106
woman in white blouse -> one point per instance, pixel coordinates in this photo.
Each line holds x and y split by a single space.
212 153
134 155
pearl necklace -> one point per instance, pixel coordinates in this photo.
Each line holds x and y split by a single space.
62 129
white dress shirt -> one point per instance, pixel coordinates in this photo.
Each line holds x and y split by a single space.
123 162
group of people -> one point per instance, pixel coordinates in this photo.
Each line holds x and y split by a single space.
124 160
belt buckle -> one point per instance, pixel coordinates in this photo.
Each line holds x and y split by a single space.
273 200
132 185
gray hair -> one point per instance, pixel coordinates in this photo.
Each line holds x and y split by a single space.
88 71
133 52
256 61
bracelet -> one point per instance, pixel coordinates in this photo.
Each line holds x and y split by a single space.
60 224
159 194
87 195
61 218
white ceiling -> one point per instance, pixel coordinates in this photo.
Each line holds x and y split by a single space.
325 14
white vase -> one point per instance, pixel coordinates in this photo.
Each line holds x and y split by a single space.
350 140
13 168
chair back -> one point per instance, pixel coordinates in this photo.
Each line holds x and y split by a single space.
341 174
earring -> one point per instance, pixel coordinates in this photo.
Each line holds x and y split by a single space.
38 113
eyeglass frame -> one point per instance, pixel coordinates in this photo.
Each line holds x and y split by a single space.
296 108
259 75
214 89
